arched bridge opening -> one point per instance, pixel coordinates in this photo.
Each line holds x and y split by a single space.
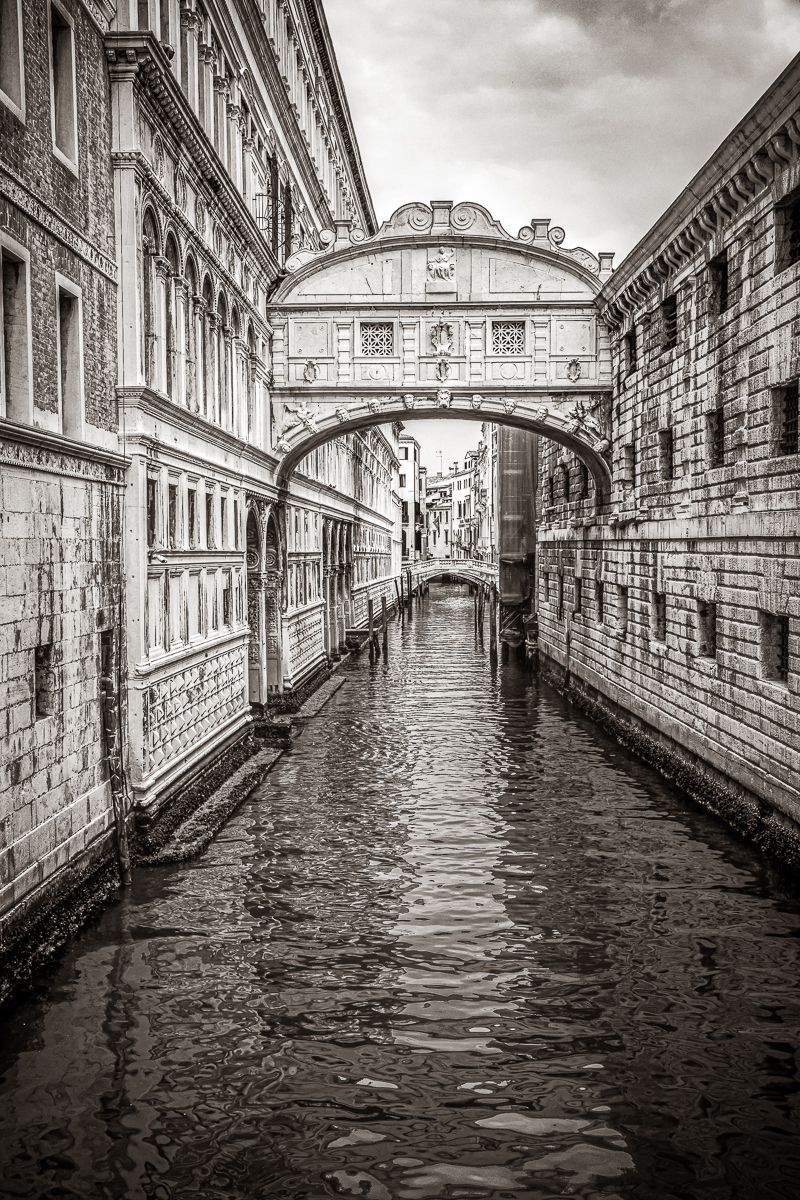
442 313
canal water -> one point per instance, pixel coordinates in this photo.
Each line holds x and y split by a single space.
458 944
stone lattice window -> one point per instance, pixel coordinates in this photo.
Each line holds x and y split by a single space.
715 438
666 453
377 338
660 616
508 337
669 323
786 419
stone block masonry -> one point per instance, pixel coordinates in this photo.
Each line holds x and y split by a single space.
673 613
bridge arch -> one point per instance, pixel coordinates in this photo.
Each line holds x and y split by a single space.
442 314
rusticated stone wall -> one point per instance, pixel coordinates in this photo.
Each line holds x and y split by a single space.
679 605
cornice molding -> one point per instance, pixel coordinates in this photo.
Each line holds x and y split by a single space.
31 448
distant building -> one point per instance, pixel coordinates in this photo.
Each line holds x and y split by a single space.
409 491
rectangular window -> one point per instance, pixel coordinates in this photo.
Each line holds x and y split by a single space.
706 629
787 232
43 681
551 492
560 597
16 340
191 496
194 604
720 283
402 481
785 419
578 595
223 522
405 453
631 351
173 516
508 337
599 599
669 323
715 438
12 68
226 598
774 646
213 614
62 86
622 610
152 512
377 338
70 354
210 541
629 464
666 457
236 524
660 616
405 512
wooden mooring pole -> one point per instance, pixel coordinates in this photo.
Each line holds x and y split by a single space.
410 596
493 626
371 614
385 624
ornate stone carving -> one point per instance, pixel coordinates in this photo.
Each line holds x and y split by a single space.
574 370
374 406
310 371
442 337
283 447
443 266
409 401
180 191
308 418
509 406
542 413
476 401
343 414
443 398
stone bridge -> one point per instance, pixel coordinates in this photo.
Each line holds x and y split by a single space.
470 570
442 314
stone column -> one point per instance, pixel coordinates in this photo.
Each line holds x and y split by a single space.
211 368
180 287
198 316
160 364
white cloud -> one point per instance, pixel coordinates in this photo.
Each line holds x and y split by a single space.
592 112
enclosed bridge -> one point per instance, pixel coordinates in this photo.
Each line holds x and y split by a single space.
443 314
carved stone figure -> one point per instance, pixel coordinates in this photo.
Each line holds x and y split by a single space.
443 266
409 401
476 401
443 398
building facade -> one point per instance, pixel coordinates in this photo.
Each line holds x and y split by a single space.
61 471
674 612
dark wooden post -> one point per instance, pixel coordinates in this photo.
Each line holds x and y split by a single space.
371 614
493 626
410 596
385 624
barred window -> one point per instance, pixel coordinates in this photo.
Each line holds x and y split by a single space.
706 629
785 400
660 616
774 646
787 241
666 453
581 488
720 283
377 338
508 337
669 323
715 438
631 351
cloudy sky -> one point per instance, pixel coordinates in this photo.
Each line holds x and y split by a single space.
594 113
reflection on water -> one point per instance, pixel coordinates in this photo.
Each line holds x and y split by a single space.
458 944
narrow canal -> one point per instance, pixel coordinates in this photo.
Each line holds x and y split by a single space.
458 944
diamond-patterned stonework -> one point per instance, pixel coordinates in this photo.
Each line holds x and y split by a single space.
186 706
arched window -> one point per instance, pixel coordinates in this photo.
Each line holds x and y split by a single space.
223 393
206 390
150 248
191 338
170 332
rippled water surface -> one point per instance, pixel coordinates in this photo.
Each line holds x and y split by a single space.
458 944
